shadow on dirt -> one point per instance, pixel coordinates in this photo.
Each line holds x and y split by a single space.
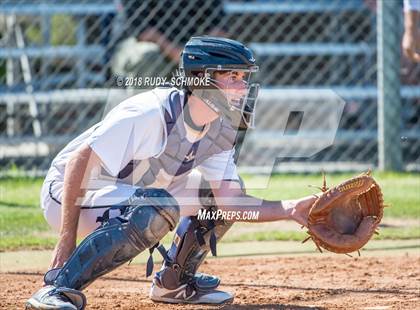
328 291
384 248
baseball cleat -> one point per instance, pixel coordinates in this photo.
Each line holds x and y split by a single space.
52 298
205 281
188 294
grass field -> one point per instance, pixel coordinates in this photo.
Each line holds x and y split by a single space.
22 224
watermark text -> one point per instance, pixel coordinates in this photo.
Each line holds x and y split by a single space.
204 214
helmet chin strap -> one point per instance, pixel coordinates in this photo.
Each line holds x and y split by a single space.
189 121
217 101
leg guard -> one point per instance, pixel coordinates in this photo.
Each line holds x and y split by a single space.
193 240
148 216
187 253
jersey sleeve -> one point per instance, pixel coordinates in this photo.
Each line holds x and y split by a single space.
125 136
219 167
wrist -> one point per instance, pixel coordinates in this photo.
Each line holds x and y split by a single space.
291 213
67 237
410 20
287 210
411 32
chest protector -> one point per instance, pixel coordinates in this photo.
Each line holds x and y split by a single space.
180 155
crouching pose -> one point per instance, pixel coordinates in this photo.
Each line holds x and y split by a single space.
124 183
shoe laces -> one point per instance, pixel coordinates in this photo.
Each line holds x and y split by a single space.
56 292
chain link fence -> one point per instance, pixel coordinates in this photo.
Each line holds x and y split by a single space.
59 61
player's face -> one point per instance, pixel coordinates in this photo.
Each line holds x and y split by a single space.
231 93
233 83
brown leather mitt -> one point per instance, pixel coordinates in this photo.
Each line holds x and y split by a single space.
344 218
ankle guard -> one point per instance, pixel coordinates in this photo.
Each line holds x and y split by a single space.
192 241
189 248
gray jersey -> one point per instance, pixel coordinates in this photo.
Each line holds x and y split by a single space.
143 141
180 154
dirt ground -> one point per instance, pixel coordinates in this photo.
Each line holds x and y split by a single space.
304 282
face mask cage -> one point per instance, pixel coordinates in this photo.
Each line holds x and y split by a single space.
240 94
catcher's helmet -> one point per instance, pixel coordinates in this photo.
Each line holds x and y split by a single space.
202 56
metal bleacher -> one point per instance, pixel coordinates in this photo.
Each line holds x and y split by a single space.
36 90
80 51
50 89
315 48
332 47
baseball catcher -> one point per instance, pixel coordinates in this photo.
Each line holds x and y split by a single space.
147 168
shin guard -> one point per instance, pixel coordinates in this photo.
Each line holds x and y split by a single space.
149 216
192 241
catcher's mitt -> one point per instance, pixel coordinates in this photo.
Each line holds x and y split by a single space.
344 218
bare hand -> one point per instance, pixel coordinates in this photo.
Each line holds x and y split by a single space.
411 46
62 252
300 211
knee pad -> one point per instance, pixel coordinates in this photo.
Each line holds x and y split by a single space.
146 218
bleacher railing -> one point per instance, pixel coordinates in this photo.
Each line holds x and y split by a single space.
59 61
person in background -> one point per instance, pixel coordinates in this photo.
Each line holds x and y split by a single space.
155 40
